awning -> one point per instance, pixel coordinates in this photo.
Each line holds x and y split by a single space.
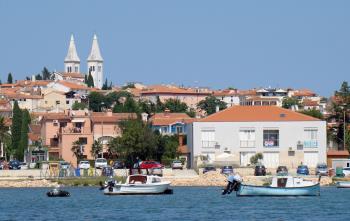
78 120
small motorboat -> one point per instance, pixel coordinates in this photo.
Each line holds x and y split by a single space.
281 186
57 193
343 184
137 185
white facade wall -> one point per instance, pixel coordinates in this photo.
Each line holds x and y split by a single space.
96 70
290 134
229 100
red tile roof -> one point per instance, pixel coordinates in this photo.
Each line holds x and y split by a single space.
170 118
74 86
116 117
304 93
73 75
161 89
256 114
338 153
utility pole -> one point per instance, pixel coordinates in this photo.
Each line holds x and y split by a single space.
344 128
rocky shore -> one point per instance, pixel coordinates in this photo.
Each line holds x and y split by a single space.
26 183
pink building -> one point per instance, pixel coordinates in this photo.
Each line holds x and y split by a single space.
60 130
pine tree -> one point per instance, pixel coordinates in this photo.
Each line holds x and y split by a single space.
90 81
110 86
105 85
85 79
46 74
9 78
23 145
16 127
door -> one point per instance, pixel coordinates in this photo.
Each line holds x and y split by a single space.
310 159
271 159
245 158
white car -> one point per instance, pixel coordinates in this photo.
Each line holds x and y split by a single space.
84 164
176 164
346 171
100 163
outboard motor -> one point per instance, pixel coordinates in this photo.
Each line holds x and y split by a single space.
233 184
108 184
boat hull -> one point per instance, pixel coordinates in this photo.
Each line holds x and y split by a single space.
343 184
138 189
249 190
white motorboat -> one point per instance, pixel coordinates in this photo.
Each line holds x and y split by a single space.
343 184
137 184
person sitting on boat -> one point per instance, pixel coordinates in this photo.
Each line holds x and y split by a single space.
233 180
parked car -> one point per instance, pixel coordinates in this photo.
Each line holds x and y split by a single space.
346 171
177 164
118 164
321 169
84 164
282 171
100 163
156 171
64 165
107 171
150 165
208 168
260 170
14 165
227 170
303 170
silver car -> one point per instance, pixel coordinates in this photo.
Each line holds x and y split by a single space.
321 169
177 164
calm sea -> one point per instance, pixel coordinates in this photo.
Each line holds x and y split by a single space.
187 203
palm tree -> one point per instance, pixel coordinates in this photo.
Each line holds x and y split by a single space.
77 149
5 136
96 148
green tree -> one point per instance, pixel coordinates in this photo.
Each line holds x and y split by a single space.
90 81
16 128
96 148
38 77
137 140
105 85
191 112
5 136
313 113
78 150
96 101
128 85
46 74
9 78
210 103
175 106
23 145
79 106
289 102
256 158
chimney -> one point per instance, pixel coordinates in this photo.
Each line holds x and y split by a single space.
217 108
166 112
144 117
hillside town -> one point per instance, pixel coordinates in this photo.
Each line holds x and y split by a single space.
73 116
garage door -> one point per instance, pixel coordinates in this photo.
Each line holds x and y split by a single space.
271 160
245 158
310 159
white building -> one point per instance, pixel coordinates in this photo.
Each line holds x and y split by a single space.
95 63
72 61
284 137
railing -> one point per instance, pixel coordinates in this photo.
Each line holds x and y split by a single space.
72 130
208 144
247 143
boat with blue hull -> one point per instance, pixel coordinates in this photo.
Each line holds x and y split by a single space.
280 186
249 190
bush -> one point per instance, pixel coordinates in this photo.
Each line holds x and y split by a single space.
255 159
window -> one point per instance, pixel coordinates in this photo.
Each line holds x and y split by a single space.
271 138
83 140
58 102
208 138
310 137
247 138
179 129
67 102
99 68
76 69
164 129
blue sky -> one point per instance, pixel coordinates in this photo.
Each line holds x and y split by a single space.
245 44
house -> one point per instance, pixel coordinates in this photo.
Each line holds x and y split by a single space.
5 108
230 97
54 100
69 76
284 137
338 158
164 92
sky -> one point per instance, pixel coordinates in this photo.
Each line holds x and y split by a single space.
216 44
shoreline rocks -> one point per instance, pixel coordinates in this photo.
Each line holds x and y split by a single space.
27 183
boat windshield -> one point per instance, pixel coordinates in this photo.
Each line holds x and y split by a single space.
156 180
137 179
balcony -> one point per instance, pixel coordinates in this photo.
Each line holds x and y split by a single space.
247 143
208 144
71 130
310 144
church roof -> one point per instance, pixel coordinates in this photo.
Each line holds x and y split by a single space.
72 55
95 54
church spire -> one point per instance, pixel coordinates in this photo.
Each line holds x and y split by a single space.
95 54
72 61
72 54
